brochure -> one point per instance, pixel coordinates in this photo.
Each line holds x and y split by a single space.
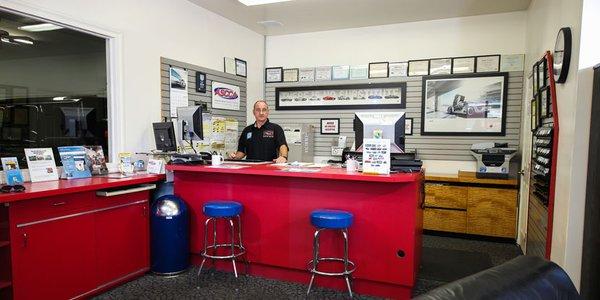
155 166
41 164
376 156
125 163
95 157
13 174
74 162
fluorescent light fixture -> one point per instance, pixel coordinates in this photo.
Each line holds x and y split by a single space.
59 98
40 27
270 23
260 2
22 40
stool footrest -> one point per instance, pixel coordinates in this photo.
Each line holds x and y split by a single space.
241 251
313 269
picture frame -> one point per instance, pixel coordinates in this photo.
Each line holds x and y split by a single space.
463 65
534 79
274 74
440 66
330 126
306 74
229 65
543 102
534 115
550 102
379 70
323 73
487 63
418 67
408 126
290 75
460 110
346 96
241 67
200 82
398 69
542 72
340 72
359 72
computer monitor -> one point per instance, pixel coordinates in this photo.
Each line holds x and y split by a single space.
164 136
387 125
189 121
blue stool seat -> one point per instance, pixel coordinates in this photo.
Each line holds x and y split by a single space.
222 209
331 219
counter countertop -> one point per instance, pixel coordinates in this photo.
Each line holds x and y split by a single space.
468 177
64 186
332 173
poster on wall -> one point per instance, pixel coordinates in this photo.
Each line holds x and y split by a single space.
225 96
178 89
473 104
376 95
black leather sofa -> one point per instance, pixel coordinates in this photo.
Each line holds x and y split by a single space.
524 277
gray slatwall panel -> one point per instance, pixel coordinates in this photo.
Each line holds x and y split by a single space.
196 98
428 147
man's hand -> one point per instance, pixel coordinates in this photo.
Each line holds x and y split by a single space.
280 160
232 155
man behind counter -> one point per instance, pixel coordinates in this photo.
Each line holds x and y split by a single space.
263 139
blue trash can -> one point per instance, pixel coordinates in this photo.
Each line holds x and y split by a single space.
170 238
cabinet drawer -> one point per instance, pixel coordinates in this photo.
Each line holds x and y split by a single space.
123 195
492 212
445 220
51 207
445 196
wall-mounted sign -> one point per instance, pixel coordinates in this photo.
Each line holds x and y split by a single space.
377 95
225 96
330 126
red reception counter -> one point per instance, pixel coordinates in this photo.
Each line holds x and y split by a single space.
385 238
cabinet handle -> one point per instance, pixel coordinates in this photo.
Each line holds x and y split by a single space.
143 187
59 203
145 211
25 240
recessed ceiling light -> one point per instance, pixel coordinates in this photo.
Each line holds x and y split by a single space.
260 2
40 27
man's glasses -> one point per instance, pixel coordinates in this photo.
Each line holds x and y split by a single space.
261 110
12 188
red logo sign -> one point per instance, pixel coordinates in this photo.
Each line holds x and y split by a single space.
226 93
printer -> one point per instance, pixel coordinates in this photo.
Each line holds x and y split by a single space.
492 159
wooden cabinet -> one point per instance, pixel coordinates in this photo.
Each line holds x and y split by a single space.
468 205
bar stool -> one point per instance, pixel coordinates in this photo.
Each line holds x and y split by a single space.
228 211
340 220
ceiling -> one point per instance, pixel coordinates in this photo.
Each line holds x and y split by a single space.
318 15
47 43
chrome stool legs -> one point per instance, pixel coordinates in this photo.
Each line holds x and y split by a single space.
237 249
349 266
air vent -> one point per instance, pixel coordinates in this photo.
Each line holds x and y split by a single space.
270 23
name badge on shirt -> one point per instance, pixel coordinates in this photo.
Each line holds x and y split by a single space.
268 134
248 135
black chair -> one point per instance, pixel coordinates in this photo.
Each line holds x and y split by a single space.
524 277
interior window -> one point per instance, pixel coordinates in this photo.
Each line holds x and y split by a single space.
52 87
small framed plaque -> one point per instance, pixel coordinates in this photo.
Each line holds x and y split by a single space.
542 71
274 74
440 66
306 74
512 62
200 82
543 103
488 63
408 126
463 65
378 70
359 72
229 65
323 73
398 69
330 126
290 75
534 115
418 67
534 79
240 67
340 72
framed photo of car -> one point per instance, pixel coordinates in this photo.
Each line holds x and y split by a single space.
408 126
464 104
347 96
290 75
229 65
418 67
330 126
378 70
274 74
240 67
461 65
487 63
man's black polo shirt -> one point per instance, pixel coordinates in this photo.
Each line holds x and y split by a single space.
261 143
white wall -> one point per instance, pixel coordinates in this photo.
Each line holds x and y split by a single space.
544 19
487 34
175 29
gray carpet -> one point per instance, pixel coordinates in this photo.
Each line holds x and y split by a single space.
221 285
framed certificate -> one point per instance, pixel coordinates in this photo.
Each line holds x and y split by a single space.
408 126
398 69
543 103
290 75
229 65
440 66
340 72
418 67
534 114
378 70
463 65
542 71
359 72
240 67
306 74
322 73
488 63
534 79
274 74
512 62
